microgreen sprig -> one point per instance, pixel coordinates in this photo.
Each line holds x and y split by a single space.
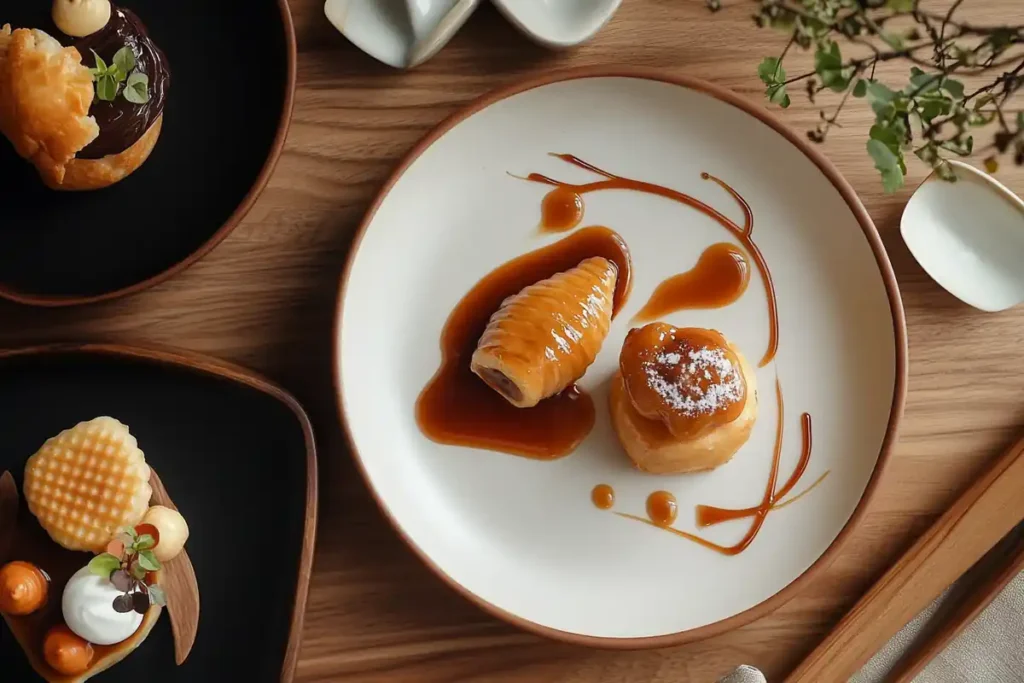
128 562
120 76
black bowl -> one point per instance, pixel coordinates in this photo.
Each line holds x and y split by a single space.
236 454
228 108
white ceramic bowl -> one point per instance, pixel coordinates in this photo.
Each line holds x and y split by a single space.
968 235
559 23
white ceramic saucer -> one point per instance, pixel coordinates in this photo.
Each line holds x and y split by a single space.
521 537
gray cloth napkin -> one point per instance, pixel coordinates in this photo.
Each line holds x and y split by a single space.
990 650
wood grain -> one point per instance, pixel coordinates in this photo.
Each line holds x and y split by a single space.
178 579
979 519
1005 563
265 299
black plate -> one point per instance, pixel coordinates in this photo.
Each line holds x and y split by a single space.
237 457
228 108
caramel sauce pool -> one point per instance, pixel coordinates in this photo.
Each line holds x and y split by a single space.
603 496
563 192
719 279
561 210
662 508
458 408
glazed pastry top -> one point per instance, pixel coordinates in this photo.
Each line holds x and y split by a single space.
689 378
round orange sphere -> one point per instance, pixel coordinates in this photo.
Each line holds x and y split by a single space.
23 588
66 652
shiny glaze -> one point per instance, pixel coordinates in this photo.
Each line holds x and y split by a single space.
603 496
32 544
561 210
663 352
456 407
769 501
662 508
743 234
121 122
719 279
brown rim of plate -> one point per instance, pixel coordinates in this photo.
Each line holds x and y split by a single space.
276 147
884 266
165 355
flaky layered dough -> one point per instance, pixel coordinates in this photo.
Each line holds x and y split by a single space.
654 449
545 337
45 95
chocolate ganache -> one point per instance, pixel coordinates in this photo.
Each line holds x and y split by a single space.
121 122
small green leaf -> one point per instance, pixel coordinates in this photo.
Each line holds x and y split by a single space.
136 90
106 88
124 59
892 40
157 595
777 95
922 83
101 66
770 71
104 565
138 571
887 136
148 561
880 92
145 542
861 88
954 88
888 164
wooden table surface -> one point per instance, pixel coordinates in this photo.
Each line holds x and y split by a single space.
265 298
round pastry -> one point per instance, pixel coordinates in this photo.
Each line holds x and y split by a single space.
684 400
87 108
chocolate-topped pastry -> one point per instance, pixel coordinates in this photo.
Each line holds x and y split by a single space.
99 110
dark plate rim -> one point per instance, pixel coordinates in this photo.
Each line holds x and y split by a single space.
871 235
207 365
276 148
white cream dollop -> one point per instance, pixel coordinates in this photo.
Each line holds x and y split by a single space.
88 606
80 18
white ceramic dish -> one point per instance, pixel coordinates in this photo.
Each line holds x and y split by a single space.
521 537
400 33
969 237
559 23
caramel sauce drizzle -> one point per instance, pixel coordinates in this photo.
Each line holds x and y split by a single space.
603 496
570 194
708 515
719 279
456 407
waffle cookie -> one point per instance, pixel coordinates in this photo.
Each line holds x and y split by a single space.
88 483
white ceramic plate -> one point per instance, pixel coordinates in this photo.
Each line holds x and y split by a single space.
521 537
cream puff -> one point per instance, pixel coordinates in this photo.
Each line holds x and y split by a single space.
85 103
684 400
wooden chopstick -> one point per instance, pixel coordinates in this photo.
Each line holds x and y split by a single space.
986 512
1005 563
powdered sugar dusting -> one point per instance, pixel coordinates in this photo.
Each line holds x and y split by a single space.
683 389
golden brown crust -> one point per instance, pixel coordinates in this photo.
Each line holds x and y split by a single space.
45 95
50 130
93 174
545 337
654 449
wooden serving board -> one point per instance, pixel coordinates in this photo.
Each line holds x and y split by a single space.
265 298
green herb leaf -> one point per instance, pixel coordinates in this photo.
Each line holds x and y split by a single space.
861 88
888 164
777 95
104 564
124 59
106 88
136 90
879 92
828 63
157 595
138 571
145 542
101 66
892 40
770 71
954 88
148 561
